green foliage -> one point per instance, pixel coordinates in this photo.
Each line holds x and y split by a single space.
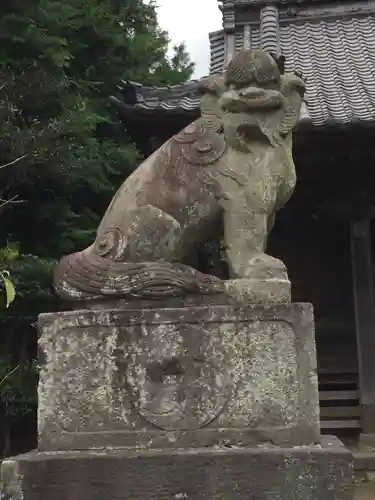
10 292
59 62
67 152
17 389
176 70
8 255
31 276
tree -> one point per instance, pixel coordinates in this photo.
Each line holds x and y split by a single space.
175 70
7 254
59 62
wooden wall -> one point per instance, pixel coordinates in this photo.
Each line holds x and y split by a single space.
317 254
316 250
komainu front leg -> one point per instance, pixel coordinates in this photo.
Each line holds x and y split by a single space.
246 236
255 276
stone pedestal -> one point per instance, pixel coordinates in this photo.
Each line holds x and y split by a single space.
320 472
200 402
181 377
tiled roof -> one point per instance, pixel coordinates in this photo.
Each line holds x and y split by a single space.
338 60
136 98
265 2
166 103
335 53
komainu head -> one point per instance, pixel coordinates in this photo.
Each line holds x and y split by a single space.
259 103
253 68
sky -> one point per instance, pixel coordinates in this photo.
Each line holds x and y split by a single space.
190 21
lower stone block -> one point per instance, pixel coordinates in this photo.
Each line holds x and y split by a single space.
320 472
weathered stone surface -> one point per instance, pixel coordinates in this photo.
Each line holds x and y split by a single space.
321 472
181 377
232 168
262 291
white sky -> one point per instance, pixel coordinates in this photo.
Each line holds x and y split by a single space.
190 21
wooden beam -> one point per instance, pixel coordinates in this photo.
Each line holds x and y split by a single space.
364 304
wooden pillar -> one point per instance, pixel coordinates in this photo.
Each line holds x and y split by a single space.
230 47
247 37
364 304
229 25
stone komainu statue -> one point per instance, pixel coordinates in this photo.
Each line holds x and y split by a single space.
233 167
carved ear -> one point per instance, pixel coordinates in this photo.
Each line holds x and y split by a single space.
213 84
280 61
293 89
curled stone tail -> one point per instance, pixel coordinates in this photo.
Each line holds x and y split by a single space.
82 276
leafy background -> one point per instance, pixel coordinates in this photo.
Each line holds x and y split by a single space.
68 152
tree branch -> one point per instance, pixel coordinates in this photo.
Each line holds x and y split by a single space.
11 200
8 375
13 162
